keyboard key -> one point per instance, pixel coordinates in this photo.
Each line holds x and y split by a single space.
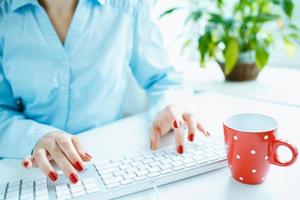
154 174
166 171
132 170
140 178
113 185
128 181
113 180
166 166
12 194
142 173
154 169
107 176
179 167
92 189
119 173
129 176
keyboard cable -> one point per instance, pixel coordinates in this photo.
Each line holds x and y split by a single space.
156 191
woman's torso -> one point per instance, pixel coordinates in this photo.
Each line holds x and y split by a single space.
73 87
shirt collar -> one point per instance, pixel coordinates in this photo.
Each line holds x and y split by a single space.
20 3
16 4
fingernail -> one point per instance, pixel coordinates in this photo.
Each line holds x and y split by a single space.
175 124
74 178
53 176
26 164
88 155
180 149
191 137
78 166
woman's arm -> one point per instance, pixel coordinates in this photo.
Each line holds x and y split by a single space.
166 87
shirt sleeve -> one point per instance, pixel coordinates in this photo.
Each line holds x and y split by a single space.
18 135
163 84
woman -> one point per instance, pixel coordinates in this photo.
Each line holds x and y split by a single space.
63 70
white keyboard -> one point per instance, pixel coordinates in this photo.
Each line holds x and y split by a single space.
130 174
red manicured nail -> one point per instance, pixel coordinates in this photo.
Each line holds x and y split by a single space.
53 176
191 137
175 124
88 155
78 166
74 178
25 163
180 149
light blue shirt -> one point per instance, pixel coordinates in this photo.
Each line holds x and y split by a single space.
48 86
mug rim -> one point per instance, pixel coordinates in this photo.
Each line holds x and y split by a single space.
226 123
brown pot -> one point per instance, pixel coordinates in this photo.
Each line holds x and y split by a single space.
241 72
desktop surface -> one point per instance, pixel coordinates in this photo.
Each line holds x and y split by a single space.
130 135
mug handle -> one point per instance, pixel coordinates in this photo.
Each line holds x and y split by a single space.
274 156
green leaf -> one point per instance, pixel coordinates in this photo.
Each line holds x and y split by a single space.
262 18
195 16
169 11
261 55
231 55
277 2
288 7
202 47
294 27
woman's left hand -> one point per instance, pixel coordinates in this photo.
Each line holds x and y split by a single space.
176 118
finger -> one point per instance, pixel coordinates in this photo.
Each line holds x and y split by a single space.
26 162
174 116
155 133
66 145
44 164
179 140
191 124
201 128
84 155
63 163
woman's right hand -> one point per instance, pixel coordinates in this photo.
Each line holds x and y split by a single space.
64 149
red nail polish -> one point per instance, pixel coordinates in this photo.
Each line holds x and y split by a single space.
53 176
78 166
191 137
25 163
88 155
74 178
180 149
175 124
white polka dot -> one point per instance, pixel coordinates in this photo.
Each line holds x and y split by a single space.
263 178
238 157
266 157
230 166
235 137
241 178
253 171
266 137
253 152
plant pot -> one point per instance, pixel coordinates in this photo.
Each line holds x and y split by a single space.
241 72
244 70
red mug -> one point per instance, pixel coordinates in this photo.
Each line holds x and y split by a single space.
252 145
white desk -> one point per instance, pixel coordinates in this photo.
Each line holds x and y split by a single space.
275 84
131 135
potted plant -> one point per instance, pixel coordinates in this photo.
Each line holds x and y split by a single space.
238 34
